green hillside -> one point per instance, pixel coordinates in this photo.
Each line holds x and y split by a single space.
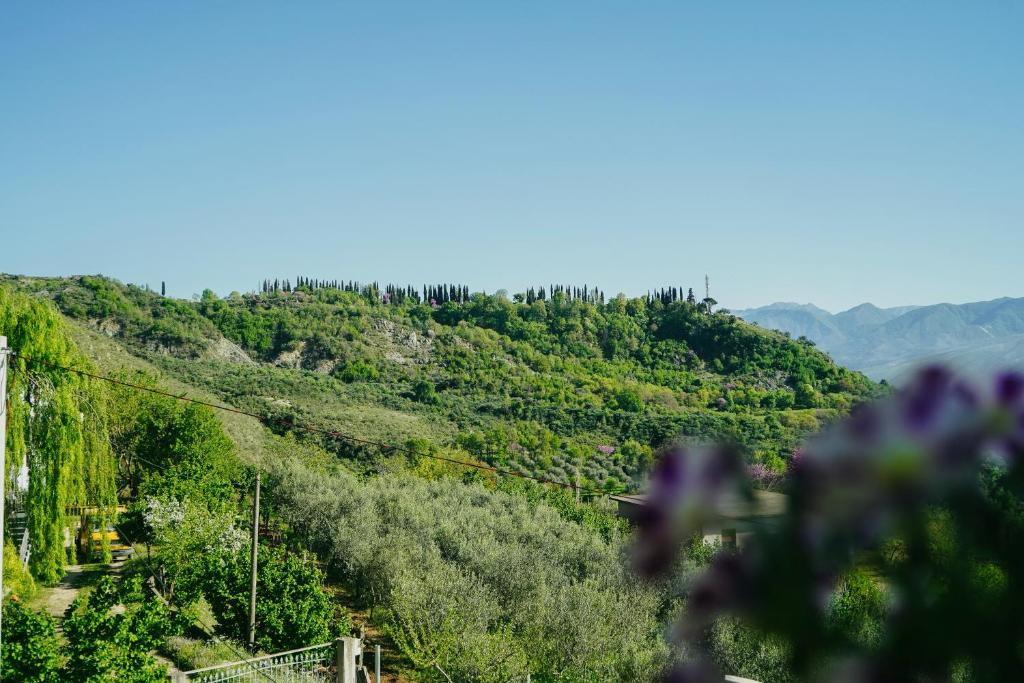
461 576
549 384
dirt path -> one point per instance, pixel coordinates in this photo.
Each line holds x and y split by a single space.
391 661
56 599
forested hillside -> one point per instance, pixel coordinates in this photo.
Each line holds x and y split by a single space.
464 574
551 382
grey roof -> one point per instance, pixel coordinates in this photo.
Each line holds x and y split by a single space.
764 504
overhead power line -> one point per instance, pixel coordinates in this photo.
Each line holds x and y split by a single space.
283 422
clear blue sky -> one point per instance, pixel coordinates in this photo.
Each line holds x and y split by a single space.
819 151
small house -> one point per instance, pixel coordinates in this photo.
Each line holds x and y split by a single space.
735 517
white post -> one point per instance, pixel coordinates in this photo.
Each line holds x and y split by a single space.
376 665
3 462
346 650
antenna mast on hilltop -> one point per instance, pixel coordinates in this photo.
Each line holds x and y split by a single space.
707 287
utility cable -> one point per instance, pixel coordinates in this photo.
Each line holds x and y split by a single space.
284 422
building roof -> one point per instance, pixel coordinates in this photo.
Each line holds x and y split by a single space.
764 504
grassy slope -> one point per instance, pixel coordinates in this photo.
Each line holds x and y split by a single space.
111 358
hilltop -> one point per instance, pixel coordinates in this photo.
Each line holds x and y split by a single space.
560 384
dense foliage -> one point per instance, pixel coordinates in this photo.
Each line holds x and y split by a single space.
18 580
111 631
171 449
479 585
56 425
293 610
561 384
30 651
474 577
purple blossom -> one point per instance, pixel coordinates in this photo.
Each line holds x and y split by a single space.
1009 388
686 487
607 450
852 487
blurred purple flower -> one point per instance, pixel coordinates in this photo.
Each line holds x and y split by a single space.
850 489
686 488
607 450
1009 388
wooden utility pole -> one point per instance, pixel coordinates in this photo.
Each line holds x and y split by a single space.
255 547
4 355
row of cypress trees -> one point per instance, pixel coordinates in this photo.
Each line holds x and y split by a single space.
438 294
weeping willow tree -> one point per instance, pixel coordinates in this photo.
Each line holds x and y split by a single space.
57 426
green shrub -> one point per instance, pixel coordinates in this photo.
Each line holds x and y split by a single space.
31 651
112 630
356 371
741 650
292 609
857 609
424 391
17 578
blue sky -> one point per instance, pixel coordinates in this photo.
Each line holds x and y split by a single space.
825 152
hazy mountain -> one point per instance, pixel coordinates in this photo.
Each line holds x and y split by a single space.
885 343
867 315
799 320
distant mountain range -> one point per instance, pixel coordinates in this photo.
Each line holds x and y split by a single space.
886 343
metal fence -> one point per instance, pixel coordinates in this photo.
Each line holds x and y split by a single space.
314 664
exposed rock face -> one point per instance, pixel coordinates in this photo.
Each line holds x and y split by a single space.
226 350
107 326
402 345
396 357
325 366
292 359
